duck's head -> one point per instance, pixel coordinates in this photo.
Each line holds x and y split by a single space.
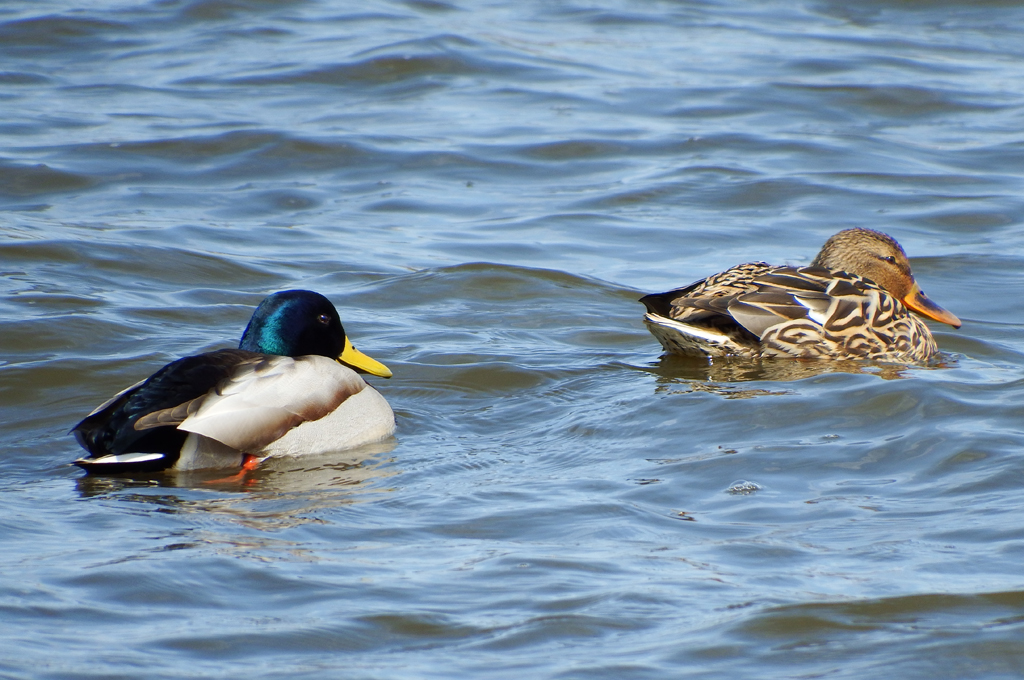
877 256
297 323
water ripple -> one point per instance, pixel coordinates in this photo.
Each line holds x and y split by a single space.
485 191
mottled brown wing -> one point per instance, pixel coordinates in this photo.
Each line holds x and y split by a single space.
781 295
680 303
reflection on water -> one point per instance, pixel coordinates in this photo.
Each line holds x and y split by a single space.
281 492
484 190
674 369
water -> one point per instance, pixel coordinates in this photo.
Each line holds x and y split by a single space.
485 190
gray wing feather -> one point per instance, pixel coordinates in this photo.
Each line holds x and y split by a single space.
259 403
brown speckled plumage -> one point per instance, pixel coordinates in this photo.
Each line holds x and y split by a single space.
850 303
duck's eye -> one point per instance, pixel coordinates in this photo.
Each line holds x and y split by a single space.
890 259
324 319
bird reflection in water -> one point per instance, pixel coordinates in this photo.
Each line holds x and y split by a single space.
280 493
724 375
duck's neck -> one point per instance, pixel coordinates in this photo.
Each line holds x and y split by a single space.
263 335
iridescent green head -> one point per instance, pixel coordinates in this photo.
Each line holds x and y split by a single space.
300 322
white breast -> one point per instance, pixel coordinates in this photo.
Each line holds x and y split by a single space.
361 419
284 407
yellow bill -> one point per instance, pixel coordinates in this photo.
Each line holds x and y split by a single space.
356 359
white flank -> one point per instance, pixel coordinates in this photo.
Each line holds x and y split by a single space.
123 458
687 329
361 419
255 407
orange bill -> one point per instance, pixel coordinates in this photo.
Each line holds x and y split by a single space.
920 303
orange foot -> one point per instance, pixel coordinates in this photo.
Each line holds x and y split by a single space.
249 463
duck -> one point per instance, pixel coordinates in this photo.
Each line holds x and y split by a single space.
857 300
291 388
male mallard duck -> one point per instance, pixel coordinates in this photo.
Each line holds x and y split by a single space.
851 303
282 392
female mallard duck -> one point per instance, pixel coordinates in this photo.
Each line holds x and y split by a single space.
283 392
851 303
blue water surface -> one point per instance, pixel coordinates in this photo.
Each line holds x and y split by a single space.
484 190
